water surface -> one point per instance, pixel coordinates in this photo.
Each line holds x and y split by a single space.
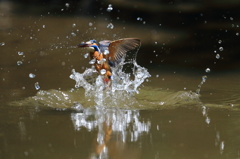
167 119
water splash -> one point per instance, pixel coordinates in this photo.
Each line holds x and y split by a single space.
124 85
204 78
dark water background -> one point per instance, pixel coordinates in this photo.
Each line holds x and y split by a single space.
178 43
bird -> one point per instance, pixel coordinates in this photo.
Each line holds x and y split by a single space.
107 54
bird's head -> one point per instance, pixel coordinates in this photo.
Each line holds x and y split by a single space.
91 45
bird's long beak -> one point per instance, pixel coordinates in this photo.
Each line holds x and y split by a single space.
83 45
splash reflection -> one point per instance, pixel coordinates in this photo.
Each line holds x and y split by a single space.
124 125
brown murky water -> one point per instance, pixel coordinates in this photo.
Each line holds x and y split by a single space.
166 120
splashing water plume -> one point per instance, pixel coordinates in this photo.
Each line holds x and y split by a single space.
124 85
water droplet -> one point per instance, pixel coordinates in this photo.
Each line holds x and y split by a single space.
37 87
110 8
161 103
221 147
74 25
207 70
31 75
67 5
92 61
155 43
237 34
23 88
217 56
102 61
231 18
110 25
215 51
207 120
103 71
144 22
221 48
138 18
157 76
219 41
86 55
204 78
20 53
44 26
73 34
90 24
106 52
19 63
2 44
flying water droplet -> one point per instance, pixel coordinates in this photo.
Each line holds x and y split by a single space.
221 147
219 41
139 18
207 70
73 34
217 56
37 87
110 25
92 61
157 76
44 26
103 71
31 75
90 24
2 44
86 55
20 53
67 5
204 78
19 63
74 25
207 120
102 61
110 8
221 48
106 52
237 34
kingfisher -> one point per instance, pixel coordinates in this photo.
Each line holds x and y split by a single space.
106 54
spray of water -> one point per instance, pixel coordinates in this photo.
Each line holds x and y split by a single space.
124 85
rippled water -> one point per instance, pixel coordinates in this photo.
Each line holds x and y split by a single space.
178 112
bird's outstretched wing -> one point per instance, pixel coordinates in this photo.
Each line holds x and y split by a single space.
117 49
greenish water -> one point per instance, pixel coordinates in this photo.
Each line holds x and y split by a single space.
165 120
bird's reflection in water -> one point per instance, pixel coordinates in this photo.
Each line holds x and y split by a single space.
115 128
